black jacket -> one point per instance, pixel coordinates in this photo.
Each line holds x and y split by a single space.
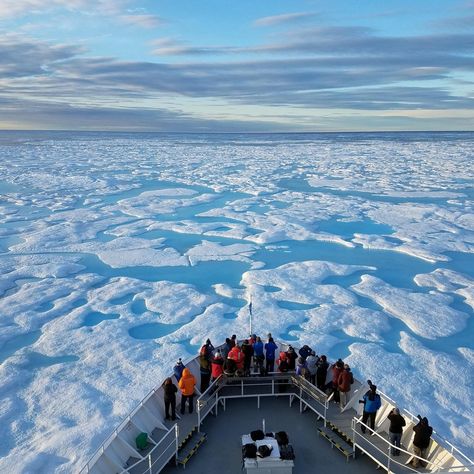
397 422
170 391
423 433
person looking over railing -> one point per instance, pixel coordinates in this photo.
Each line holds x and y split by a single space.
247 350
397 422
186 385
258 354
372 402
217 366
292 356
230 367
312 366
178 369
336 368
421 440
169 397
344 382
270 348
322 372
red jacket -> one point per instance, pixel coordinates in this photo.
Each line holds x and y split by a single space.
336 371
237 355
217 367
345 380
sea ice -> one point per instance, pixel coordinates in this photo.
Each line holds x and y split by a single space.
428 315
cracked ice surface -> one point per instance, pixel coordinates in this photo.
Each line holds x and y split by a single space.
119 255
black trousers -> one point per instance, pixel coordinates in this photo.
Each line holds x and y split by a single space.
269 365
170 404
190 399
368 416
205 379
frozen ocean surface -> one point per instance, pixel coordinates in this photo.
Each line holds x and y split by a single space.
120 253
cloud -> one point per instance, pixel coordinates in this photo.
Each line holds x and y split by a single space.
172 47
283 19
331 68
142 20
43 115
20 56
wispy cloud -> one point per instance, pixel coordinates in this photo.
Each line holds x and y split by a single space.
142 20
172 47
319 68
284 18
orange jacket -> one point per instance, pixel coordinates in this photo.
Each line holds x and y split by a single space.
187 382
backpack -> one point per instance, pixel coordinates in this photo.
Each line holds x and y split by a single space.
281 438
257 435
249 450
264 451
141 441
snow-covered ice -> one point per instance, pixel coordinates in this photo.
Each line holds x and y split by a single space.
115 263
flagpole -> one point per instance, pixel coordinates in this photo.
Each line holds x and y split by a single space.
250 317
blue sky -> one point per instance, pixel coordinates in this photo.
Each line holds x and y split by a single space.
260 65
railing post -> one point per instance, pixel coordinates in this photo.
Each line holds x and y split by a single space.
149 464
198 409
389 458
176 435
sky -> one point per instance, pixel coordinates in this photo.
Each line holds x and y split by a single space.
237 66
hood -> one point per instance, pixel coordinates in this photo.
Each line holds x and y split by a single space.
186 372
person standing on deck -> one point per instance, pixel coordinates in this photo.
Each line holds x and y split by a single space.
237 356
292 356
186 385
397 422
372 402
205 357
258 353
421 441
170 390
312 366
178 369
344 382
247 350
217 366
322 372
305 351
270 348
337 368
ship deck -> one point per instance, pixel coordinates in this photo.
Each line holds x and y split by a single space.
222 452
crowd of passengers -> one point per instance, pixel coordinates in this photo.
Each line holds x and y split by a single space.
238 359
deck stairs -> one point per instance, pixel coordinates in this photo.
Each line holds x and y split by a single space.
189 446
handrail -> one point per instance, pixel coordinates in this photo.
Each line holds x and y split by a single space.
148 456
206 404
434 435
435 467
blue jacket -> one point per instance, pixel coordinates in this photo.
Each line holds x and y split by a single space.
270 348
371 406
258 348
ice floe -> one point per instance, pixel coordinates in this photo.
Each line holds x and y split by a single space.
118 255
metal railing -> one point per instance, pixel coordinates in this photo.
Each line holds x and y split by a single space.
260 386
383 455
161 453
